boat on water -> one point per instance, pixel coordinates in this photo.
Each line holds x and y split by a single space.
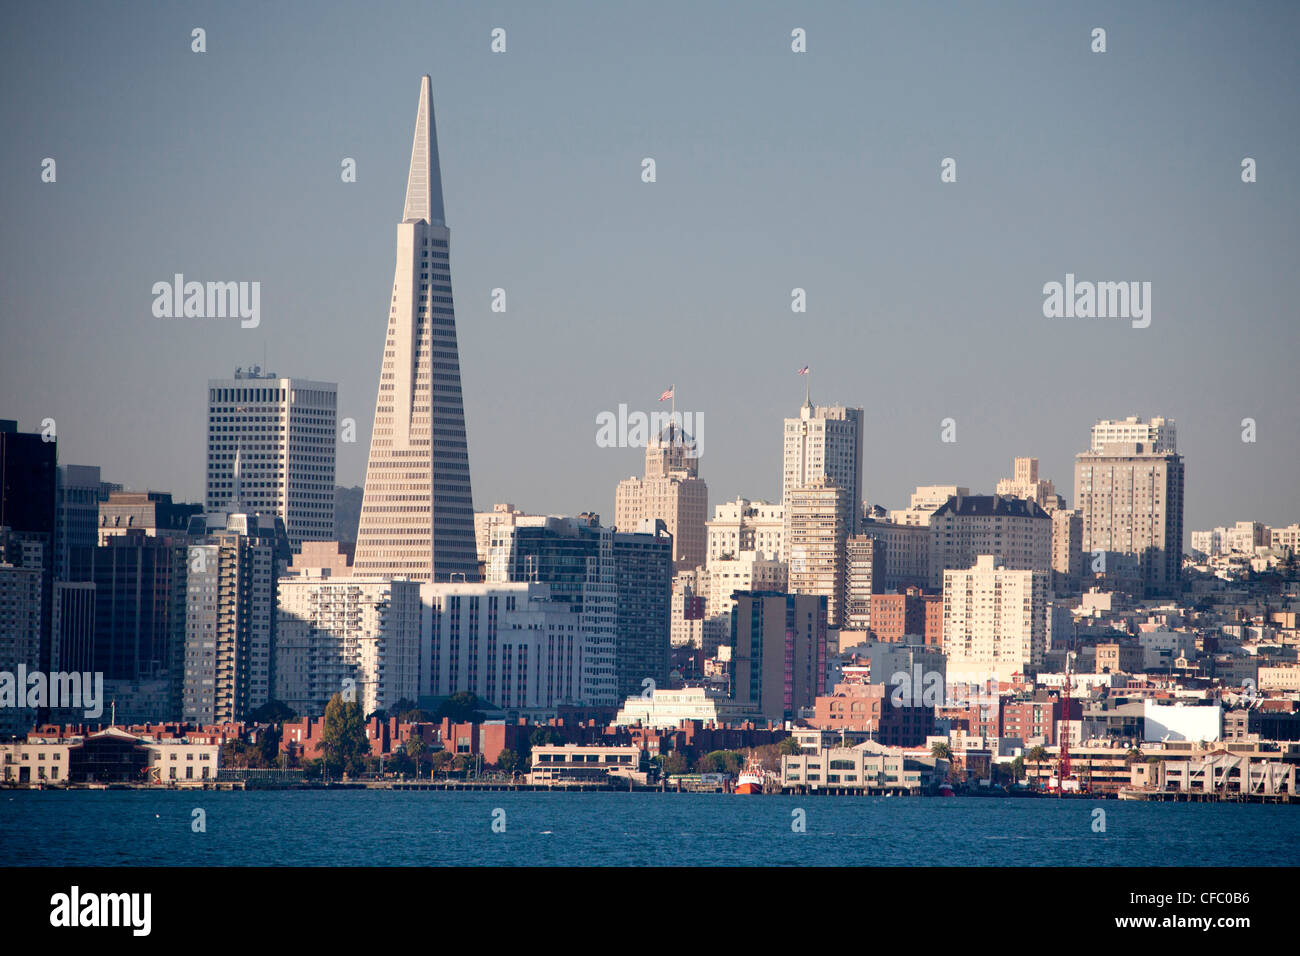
945 790
751 778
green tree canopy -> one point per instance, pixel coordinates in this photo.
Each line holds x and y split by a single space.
272 712
721 761
545 736
344 743
461 708
674 763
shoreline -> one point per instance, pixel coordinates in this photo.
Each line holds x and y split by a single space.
1126 795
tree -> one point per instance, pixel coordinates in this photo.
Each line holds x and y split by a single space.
720 761
268 746
941 751
441 759
272 712
1036 753
1018 769
415 748
674 763
461 708
507 761
344 743
400 763
789 747
545 736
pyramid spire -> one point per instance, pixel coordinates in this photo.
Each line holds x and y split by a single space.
424 182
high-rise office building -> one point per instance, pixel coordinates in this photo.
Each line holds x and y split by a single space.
343 634
1067 550
20 630
417 513
1131 497
778 652
686 613
502 513
744 525
823 442
864 573
152 512
140 600
230 618
994 621
671 492
79 493
620 584
1159 434
575 557
73 628
509 643
902 552
28 508
643 580
271 444
1016 531
818 518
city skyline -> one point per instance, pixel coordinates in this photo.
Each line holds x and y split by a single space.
913 319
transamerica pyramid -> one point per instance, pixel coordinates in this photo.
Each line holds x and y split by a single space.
417 514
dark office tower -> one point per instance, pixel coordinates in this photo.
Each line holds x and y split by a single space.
73 628
417 513
643 577
28 480
140 610
78 495
21 558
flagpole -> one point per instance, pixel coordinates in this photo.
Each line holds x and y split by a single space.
672 415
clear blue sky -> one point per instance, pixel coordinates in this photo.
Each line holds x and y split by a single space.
775 170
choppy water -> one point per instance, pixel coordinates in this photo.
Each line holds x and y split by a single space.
439 828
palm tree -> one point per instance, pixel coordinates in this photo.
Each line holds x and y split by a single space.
940 750
1036 753
415 748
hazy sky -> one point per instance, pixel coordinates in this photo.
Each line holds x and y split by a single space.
775 170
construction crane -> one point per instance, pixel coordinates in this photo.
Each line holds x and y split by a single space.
1063 769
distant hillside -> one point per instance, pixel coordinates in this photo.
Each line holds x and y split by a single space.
347 513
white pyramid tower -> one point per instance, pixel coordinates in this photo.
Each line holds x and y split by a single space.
417 515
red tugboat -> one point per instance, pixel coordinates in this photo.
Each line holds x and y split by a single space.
751 778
